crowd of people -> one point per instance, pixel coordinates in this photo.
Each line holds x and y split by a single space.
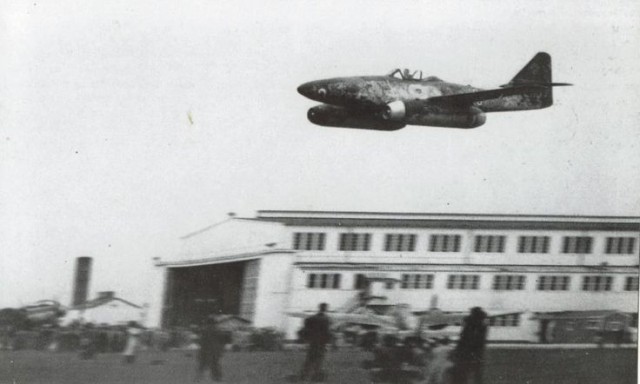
435 361
411 360
91 339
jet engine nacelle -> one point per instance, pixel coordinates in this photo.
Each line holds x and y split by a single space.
395 111
417 113
399 110
333 116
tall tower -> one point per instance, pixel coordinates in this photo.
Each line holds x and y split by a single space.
81 280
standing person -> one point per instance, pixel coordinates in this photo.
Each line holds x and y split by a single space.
388 362
469 353
212 342
317 333
87 342
440 365
133 339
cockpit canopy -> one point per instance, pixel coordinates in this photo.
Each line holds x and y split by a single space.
407 74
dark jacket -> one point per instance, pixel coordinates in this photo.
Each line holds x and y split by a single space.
212 341
473 338
316 329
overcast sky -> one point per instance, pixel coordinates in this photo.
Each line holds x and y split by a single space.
125 125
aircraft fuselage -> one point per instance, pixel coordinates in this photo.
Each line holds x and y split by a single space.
375 92
390 102
368 102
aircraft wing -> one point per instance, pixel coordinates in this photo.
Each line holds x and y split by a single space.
367 319
467 99
440 320
436 334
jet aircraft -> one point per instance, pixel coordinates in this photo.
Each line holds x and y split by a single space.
389 103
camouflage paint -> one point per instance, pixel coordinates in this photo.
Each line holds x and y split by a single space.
389 103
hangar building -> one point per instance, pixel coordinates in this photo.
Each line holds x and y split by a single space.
260 268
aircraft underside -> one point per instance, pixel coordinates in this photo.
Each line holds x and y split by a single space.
333 116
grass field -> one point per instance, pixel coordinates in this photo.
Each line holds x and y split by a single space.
531 366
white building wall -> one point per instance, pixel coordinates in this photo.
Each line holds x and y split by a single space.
527 330
232 240
462 299
274 287
232 237
249 294
157 276
308 299
510 256
455 300
282 285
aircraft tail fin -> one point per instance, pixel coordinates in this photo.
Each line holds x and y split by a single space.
531 88
537 73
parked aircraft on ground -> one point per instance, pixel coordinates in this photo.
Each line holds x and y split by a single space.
368 314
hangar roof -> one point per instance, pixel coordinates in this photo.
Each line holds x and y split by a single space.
234 239
469 268
450 221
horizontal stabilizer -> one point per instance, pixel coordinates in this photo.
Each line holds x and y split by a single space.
466 99
531 88
535 84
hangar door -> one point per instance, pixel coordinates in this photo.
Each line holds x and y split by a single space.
192 293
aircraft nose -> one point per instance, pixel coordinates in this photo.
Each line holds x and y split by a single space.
313 90
305 89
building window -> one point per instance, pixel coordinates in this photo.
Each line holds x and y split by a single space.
596 283
444 243
311 280
404 284
400 242
493 244
308 241
354 241
336 281
324 280
553 283
508 282
631 283
463 281
512 320
620 245
577 244
360 281
417 281
533 244
593 324
614 326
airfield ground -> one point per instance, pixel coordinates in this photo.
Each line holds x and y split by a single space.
531 366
